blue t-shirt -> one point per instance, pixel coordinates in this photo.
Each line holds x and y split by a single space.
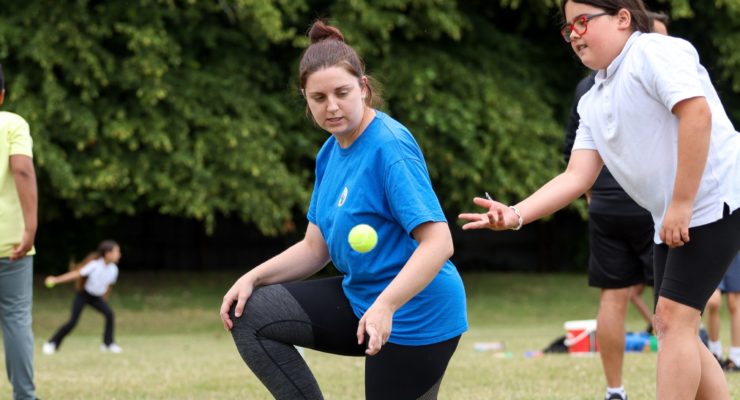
382 180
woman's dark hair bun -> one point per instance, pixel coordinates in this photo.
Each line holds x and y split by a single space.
321 31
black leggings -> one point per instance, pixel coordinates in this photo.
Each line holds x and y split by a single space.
81 299
315 314
689 274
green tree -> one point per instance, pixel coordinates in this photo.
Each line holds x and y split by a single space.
179 107
190 108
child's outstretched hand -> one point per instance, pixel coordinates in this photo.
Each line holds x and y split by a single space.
50 281
499 217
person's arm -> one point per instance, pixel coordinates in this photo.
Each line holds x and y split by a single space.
435 248
106 296
583 168
298 262
64 278
694 132
25 183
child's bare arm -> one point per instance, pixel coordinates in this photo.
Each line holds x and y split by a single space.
106 296
64 278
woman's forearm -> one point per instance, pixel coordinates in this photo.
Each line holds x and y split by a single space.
435 248
298 262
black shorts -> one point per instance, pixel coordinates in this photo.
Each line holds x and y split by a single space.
689 274
621 252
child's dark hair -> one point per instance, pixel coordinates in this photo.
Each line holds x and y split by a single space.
105 247
328 49
640 19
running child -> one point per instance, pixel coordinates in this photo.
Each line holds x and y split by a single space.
99 272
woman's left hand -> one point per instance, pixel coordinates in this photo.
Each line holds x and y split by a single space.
674 231
377 323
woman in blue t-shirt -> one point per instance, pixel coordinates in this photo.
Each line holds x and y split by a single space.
402 304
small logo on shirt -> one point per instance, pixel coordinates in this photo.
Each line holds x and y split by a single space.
342 197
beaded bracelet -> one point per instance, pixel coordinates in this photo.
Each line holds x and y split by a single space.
521 221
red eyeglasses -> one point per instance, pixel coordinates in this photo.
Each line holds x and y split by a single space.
579 26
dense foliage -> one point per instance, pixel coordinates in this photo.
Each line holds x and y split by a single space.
190 108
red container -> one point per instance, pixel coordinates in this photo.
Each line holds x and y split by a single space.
580 336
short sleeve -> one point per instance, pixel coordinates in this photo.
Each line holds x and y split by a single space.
410 195
19 137
88 268
670 70
574 118
583 139
321 161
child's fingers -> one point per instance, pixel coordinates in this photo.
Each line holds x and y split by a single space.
495 218
477 220
472 217
685 234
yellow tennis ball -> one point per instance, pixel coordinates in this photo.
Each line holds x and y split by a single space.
363 238
49 284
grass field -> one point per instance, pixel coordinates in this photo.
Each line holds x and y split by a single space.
175 347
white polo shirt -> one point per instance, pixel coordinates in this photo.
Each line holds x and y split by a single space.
99 276
626 117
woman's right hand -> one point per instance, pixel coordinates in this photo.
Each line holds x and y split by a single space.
239 292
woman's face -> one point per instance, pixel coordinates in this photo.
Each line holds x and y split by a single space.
113 255
604 36
336 100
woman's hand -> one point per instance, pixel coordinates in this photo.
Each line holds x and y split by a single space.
239 292
377 323
498 218
674 231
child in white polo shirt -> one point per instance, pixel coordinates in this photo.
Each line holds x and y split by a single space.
99 272
654 118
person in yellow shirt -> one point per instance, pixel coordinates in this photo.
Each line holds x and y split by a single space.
18 216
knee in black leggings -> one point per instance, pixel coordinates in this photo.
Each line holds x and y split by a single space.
272 322
272 313
257 310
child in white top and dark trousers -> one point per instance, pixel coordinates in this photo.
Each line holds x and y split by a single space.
100 273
